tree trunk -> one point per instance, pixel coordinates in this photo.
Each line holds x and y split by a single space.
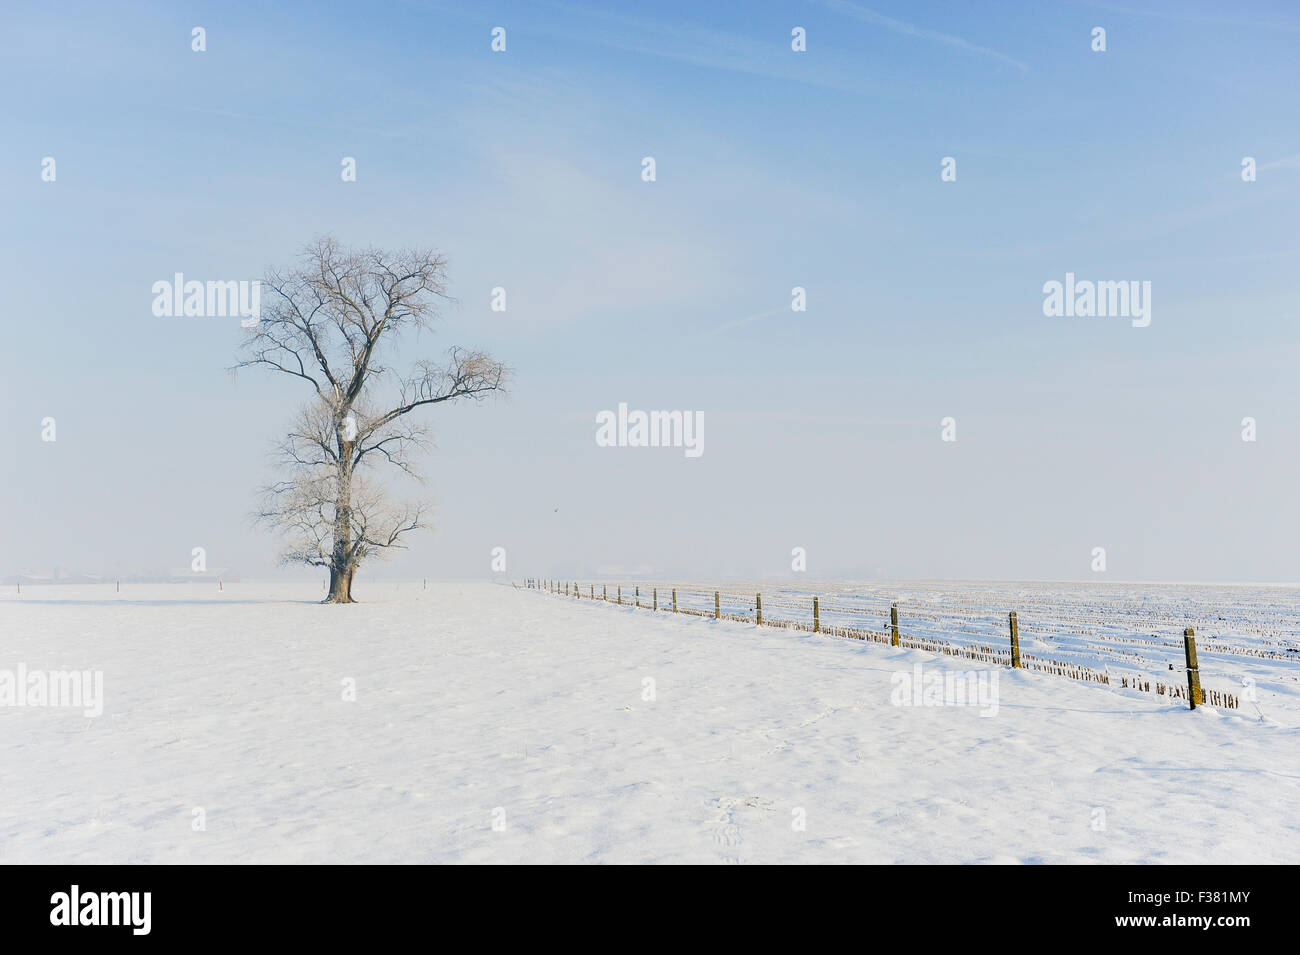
343 564
341 586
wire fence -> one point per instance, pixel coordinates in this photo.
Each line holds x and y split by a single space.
1074 643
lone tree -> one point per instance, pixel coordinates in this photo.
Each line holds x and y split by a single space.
334 322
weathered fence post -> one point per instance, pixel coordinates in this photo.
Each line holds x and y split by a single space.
674 600
1194 694
593 591
604 591
1015 640
656 599
758 606
817 621
893 626
620 595
717 606
638 598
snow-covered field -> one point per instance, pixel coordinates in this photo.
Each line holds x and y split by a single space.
478 704
1248 636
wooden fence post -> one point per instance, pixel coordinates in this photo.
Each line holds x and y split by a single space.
893 626
1015 640
638 598
593 591
717 606
817 621
656 599
1194 694
758 605
604 592
674 600
620 595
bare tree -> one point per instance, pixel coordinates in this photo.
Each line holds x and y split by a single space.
333 322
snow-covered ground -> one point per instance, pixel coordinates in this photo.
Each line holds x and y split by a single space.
1248 636
479 703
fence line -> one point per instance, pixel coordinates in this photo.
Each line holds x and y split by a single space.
890 632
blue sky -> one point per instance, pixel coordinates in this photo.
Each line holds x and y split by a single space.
774 169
